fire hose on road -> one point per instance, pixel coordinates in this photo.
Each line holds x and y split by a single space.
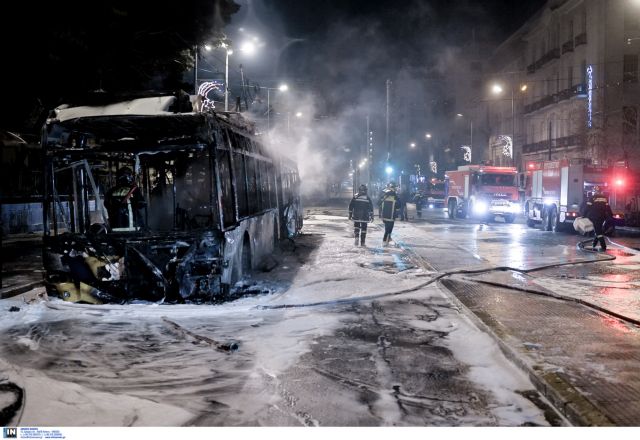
480 271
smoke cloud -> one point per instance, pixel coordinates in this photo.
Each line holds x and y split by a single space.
337 58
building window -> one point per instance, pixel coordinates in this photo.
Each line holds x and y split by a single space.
629 120
630 129
570 31
630 69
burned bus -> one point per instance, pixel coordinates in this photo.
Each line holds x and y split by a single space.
147 199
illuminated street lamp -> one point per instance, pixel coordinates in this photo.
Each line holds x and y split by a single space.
281 88
297 115
248 47
412 145
428 135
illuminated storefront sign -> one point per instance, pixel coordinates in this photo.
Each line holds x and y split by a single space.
590 96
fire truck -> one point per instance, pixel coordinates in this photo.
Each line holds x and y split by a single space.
483 192
556 190
432 192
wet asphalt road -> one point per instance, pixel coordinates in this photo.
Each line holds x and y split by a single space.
386 362
405 360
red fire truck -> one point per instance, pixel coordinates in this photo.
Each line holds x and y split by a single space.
557 189
482 192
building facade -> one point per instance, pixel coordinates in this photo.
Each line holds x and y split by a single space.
575 90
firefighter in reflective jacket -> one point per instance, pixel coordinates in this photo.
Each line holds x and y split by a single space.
124 203
389 209
598 210
361 212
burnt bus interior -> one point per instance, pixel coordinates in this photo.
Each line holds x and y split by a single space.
195 176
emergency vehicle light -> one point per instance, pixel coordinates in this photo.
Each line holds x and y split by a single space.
619 182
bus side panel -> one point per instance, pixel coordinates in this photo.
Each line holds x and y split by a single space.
260 232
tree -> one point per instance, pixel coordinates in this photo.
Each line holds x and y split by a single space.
77 47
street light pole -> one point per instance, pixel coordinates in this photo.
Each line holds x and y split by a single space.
513 125
282 88
268 110
226 79
195 71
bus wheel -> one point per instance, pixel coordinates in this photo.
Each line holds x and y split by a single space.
276 239
509 218
246 256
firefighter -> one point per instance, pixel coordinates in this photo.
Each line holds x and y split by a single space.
361 212
419 200
598 211
124 203
402 205
389 209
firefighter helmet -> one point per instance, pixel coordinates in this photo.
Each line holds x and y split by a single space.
362 189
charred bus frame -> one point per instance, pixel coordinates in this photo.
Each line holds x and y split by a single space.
216 202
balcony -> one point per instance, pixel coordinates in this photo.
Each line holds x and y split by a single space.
537 105
551 55
567 47
580 39
563 142
577 90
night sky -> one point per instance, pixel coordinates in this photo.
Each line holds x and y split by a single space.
414 31
345 50
341 49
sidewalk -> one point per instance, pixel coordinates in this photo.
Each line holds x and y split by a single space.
584 361
21 264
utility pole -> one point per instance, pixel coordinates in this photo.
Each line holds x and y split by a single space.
243 92
226 79
387 122
513 124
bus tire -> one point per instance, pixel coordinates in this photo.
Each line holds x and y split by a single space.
509 218
246 256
